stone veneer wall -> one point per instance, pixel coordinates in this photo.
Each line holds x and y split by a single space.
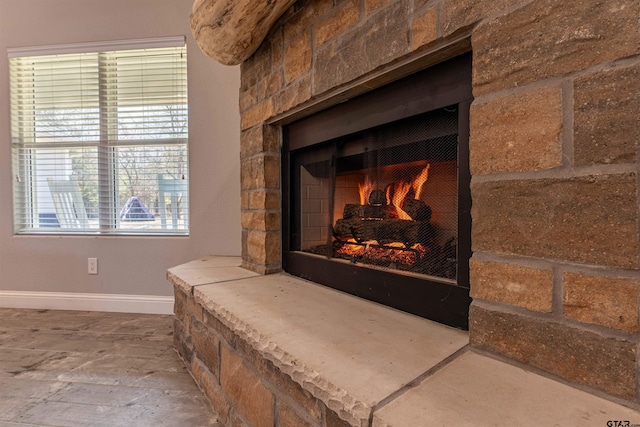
554 158
243 387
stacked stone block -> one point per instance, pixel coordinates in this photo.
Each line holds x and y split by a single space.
554 136
244 388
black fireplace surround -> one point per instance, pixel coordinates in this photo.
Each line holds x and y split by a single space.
376 194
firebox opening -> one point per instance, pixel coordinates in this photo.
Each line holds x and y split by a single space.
376 194
385 197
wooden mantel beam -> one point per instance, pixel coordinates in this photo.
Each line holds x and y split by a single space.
230 31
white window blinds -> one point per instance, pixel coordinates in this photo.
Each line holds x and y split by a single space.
99 139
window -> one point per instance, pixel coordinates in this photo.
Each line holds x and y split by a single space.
99 138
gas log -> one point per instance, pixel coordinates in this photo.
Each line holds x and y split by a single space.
380 223
417 209
383 231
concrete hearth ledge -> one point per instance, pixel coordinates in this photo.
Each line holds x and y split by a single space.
370 363
207 270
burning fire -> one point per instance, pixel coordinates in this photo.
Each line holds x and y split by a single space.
395 197
366 189
398 191
419 181
371 250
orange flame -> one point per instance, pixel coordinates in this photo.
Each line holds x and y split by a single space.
419 182
396 197
396 192
400 192
366 189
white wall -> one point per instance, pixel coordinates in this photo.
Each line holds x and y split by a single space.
127 265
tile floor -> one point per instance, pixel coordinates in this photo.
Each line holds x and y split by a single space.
72 368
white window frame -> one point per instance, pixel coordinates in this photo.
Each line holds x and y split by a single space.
26 219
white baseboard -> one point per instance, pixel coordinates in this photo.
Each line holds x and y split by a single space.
148 304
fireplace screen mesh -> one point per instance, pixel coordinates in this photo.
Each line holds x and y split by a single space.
386 197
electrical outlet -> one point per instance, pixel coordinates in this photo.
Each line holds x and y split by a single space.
93 265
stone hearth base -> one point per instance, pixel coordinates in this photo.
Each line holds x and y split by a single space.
279 351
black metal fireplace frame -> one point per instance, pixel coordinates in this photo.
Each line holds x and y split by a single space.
445 84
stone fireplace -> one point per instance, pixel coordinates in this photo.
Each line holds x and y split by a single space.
377 189
553 129
553 158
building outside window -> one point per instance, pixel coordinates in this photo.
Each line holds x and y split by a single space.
100 138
